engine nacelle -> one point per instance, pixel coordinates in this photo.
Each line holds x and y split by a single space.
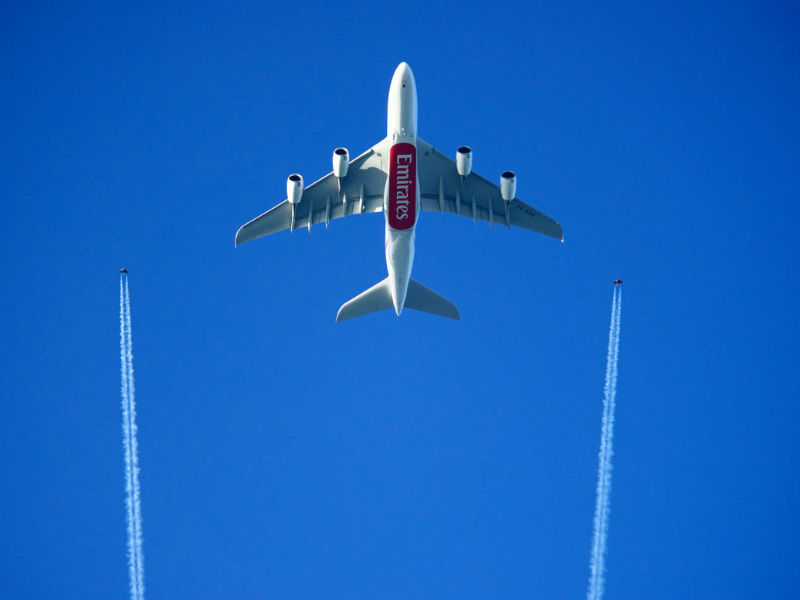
294 188
464 160
508 185
341 160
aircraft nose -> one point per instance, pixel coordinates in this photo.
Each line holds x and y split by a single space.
403 73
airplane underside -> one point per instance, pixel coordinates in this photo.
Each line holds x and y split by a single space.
400 176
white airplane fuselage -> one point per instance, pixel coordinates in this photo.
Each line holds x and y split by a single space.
401 198
353 187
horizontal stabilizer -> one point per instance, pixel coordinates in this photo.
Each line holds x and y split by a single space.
376 298
425 299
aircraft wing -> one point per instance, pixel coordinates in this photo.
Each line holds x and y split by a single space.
322 201
442 190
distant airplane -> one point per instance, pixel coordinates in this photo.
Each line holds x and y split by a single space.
123 270
618 281
401 175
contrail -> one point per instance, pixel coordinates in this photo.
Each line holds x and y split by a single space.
597 564
132 501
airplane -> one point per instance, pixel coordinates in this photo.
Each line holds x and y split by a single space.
402 175
618 281
123 270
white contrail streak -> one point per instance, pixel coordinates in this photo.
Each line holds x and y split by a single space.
123 351
597 563
132 500
137 507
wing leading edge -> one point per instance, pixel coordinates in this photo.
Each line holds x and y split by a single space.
325 200
442 189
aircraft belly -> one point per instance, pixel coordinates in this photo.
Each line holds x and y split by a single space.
399 262
401 201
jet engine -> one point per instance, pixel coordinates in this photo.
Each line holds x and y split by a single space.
341 160
464 160
508 185
294 188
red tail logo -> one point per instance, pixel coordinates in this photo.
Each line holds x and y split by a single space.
402 186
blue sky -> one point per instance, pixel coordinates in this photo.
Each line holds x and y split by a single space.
284 455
